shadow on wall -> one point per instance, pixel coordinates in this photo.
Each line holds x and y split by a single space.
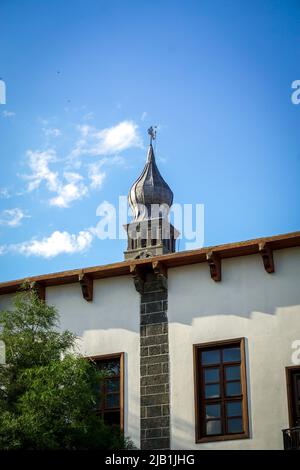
245 288
116 305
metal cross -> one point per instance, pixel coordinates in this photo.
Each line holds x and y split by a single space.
152 133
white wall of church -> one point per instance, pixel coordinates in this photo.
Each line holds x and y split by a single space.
248 302
6 301
109 324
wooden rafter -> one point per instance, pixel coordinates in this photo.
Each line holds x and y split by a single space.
138 277
214 263
161 272
267 257
39 289
87 284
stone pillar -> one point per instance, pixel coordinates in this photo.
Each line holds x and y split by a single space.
154 349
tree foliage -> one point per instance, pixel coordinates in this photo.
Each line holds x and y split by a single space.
48 392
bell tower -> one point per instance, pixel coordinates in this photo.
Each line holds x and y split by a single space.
150 233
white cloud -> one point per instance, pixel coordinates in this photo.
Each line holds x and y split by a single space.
8 114
4 193
39 165
44 122
71 186
12 217
118 138
96 175
144 116
56 244
85 130
70 189
63 242
107 141
68 193
89 116
73 190
51 132
3 249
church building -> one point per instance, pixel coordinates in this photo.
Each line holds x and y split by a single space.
202 346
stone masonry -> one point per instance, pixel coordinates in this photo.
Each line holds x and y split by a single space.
154 348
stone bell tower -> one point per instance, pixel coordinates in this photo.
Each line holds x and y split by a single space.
150 233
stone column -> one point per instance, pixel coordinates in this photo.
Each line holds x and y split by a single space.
154 349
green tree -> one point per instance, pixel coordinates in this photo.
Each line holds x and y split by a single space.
48 392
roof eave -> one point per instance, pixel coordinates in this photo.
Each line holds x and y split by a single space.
183 258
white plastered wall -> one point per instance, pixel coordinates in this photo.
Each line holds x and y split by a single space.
109 324
248 302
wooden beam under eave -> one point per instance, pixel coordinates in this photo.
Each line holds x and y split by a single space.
159 268
267 256
138 277
39 289
87 286
214 262
161 272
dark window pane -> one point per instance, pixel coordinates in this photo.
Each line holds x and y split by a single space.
212 391
213 427
231 354
211 357
112 418
235 425
100 400
109 367
213 411
211 375
233 388
112 401
234 408
233 373
112 385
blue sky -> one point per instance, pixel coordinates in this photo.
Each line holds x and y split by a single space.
85 79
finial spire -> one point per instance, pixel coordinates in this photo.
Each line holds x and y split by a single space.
152 133
150 232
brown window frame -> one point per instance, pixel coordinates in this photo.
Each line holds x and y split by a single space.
107 357
290 394
200 401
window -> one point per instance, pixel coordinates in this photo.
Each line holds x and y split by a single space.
220 391
293 388
111 388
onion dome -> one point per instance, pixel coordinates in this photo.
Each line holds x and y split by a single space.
150 188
